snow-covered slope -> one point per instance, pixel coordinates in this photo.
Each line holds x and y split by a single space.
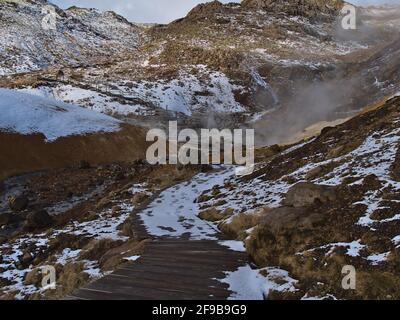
234 61
29 114
82 36
322 204
207 91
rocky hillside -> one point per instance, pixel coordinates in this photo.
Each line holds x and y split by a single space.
315 9
224 65
69 97
83 36
319 205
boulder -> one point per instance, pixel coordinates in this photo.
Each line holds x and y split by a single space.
38 220
305 194
18 203
284 219
211 214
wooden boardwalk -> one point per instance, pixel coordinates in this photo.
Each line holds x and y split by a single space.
170 269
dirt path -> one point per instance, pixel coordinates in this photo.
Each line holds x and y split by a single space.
184 260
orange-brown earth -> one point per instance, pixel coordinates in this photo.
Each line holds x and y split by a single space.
27 153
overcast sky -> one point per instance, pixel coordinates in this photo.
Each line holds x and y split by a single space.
160 11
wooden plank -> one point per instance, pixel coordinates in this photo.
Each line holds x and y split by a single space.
165 272
112 285
160 282
170 269
186 264
83 294
193 251
120 289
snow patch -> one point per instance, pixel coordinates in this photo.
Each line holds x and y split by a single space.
174 213
133 258
233 245
249 284
29 114
376 259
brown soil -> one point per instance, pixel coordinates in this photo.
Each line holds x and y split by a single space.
26 153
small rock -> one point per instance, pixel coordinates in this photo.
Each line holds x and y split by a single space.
203 198
115 211
34 277
18 203
38 220
26 259
314 173
139 198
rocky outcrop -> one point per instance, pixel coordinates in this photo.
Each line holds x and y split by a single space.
89 34
306 194
284 219
205 9
315 9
